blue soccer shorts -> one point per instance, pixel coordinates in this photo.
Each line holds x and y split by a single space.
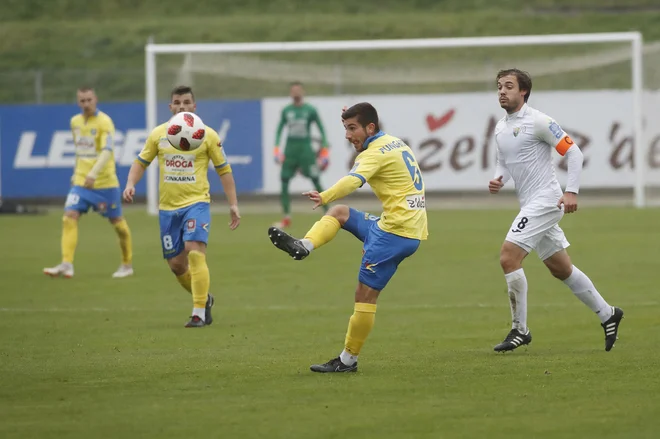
190 223
382 251
107 202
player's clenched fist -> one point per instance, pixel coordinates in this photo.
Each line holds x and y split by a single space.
495 185
129 192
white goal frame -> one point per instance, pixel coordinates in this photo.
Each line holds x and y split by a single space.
634 38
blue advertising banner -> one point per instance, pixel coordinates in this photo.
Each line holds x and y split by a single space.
37 151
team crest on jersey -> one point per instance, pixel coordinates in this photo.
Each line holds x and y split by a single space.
290 115
93 131
516 131
555 129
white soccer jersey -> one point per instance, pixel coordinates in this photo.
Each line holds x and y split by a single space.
524 148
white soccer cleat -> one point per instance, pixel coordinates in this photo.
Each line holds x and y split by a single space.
123 271
64 270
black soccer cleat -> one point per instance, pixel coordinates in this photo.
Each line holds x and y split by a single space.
334 365
195 322
287 243
611 328
209 304
514 340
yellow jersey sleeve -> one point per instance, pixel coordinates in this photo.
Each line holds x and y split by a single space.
366 166
217 155
106 134
150 149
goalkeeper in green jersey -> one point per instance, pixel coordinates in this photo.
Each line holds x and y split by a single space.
298 154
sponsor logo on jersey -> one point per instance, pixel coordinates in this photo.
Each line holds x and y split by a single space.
555 129
416 202
179 168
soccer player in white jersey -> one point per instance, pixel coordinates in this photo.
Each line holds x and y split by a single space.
525 138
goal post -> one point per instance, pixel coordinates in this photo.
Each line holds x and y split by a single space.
634 39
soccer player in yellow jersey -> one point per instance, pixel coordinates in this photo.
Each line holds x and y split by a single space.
390 168
185 215
95 184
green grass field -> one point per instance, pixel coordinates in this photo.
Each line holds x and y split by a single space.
103 358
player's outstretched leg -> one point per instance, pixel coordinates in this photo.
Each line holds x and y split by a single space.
69 243
583 288
322 232
287 243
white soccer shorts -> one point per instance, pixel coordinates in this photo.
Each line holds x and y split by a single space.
538 231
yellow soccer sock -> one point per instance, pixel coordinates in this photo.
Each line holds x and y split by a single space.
359 327
200 278
184 280
125 242
69 239
323 231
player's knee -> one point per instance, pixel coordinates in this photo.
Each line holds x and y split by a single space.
116 220
340 212
366 294
560 265
511 256
73 214
178 267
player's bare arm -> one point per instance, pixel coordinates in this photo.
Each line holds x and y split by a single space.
229 186
134 176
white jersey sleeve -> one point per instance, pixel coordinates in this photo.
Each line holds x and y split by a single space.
548 131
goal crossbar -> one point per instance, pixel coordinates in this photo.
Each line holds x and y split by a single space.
634 38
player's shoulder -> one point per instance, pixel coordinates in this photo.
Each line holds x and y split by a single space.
101 115
159 131
212 136
77 119
538 116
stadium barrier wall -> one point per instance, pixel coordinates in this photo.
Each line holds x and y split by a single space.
452 136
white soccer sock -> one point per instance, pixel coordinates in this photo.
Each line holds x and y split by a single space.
200 312
517 287
307 244
585 290
347 358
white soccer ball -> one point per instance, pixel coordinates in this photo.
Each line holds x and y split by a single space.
186 131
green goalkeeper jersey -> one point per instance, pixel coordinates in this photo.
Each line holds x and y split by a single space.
298 121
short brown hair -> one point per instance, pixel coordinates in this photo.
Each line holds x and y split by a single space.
365 113
85 88
524 79
182 90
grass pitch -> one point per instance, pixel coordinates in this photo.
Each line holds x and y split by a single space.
104 358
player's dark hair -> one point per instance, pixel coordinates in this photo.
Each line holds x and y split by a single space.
524 80
182 90
365 113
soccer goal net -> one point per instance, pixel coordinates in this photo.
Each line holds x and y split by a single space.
437 94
